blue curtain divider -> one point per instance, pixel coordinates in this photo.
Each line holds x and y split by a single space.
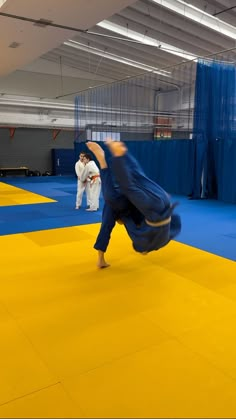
225 152
214 134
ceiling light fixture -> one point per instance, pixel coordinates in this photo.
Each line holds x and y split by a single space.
45 105
110 56
198 16
2 2
145 40
36 104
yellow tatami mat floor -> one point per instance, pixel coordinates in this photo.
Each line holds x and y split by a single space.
151 336
11 195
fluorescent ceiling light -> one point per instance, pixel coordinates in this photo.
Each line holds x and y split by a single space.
118 58
36 104
146 40
199 16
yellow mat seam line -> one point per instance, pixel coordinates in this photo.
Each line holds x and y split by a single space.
29 394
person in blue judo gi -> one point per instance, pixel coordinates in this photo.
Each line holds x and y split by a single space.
138 202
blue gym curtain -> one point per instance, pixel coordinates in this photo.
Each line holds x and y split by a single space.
214 133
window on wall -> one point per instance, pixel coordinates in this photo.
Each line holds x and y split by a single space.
102 136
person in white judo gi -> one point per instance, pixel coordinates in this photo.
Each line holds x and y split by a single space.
81 186
91 176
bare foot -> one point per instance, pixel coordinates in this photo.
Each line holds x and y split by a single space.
98 152
101 260
95 148
116 148
103 265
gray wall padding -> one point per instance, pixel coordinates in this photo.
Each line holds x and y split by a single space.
31 147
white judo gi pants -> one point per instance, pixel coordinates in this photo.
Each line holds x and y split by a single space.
94 193
81 187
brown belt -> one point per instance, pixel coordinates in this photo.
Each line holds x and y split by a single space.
159 223
94 177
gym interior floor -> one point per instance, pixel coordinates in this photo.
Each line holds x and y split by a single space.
151 336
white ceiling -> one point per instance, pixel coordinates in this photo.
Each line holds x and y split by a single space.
43 66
